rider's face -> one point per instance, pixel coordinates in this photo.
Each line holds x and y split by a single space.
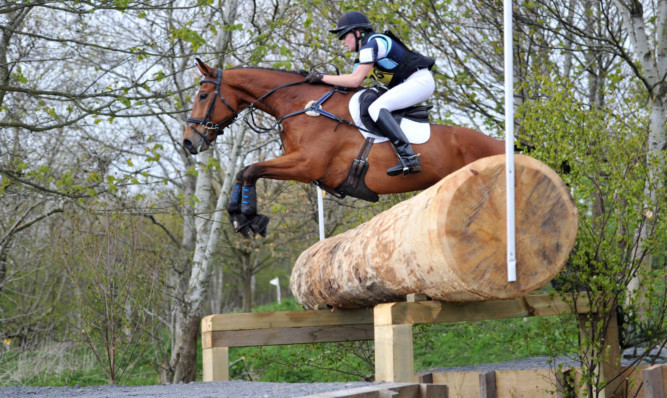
349 41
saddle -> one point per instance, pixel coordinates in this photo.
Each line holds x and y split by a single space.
417 113
415 116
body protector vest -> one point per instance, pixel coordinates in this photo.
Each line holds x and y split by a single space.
393 62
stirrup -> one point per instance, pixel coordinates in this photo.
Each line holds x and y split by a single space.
406 165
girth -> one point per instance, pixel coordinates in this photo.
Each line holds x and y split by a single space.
354 185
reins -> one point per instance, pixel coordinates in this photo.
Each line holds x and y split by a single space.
208 124
315 107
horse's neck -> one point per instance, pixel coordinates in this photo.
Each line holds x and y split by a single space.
254 84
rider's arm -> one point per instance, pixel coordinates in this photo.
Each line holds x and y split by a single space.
353 79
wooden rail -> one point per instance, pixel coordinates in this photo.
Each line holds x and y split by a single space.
390 325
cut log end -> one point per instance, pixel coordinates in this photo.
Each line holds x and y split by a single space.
475 229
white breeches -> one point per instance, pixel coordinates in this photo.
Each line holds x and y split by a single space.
417 88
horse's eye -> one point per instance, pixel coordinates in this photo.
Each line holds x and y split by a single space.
203 96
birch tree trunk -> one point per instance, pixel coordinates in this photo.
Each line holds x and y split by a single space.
200 237
188 313
652 71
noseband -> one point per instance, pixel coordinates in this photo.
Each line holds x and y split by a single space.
207 121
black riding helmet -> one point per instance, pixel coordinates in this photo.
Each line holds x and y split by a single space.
350 21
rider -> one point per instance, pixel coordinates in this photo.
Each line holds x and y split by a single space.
405 73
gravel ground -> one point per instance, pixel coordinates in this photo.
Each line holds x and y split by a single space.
246 389
231 389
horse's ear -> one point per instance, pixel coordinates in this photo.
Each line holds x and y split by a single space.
203 68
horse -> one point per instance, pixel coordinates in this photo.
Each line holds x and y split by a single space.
315 149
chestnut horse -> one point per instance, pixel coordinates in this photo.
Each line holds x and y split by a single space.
315 149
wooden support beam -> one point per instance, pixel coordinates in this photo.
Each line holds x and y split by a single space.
393 348
280 336
286 319
654 381
215 364
487 385
394 354
423 312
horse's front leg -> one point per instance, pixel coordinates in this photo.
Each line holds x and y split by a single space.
242 205
242 208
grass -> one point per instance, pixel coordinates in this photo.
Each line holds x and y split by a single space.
473 343
57 364
62 364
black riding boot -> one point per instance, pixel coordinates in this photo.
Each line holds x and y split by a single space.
408 162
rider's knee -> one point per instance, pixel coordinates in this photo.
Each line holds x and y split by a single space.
374 110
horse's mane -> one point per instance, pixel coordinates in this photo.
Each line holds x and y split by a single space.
296 72
293 72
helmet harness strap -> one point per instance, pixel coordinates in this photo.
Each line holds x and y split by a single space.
357 39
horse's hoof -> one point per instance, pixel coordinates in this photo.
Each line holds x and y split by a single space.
258 224
239 222
246 232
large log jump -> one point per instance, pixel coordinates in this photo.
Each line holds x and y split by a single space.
448 242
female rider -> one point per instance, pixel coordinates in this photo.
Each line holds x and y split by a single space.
405 73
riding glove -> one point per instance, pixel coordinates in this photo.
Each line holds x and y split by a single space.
314 77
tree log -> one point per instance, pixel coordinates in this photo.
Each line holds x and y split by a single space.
448 242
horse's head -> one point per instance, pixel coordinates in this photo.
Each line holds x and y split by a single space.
211 112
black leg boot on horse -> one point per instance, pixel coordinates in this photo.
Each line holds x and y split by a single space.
242 208
408 162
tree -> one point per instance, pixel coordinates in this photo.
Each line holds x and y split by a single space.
607 174
117 275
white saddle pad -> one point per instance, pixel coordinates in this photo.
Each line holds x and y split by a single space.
417 133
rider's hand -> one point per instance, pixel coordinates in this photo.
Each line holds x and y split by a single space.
314 78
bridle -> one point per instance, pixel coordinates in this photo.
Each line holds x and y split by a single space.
207 122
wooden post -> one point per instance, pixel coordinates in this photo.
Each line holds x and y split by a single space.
393 348
610 366
215 364
653 382
487 385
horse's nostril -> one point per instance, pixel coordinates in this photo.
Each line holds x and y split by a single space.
187 144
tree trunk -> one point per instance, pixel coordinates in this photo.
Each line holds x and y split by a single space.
653 62
183 361
247 291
